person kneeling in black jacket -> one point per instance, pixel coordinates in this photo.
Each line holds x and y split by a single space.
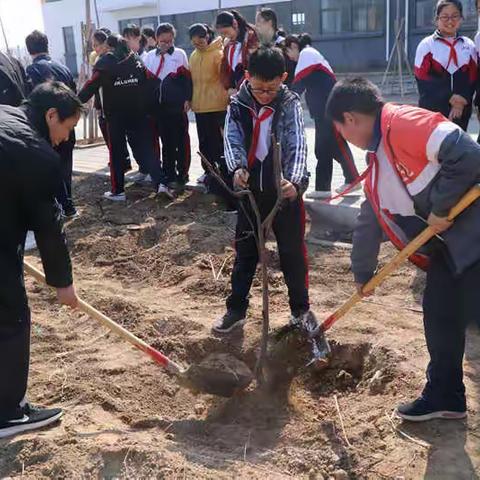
31 175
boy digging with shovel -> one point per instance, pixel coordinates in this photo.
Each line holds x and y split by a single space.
420 165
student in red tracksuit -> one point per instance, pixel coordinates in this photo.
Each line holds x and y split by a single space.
170 65
420 165
241 41
315 77
446 66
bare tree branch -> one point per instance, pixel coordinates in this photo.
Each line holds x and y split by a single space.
261 234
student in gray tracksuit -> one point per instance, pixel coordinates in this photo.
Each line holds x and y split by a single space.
420 165
264 106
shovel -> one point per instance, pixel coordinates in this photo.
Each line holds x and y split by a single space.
323 353
218 374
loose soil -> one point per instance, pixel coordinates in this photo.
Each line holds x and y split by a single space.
161 269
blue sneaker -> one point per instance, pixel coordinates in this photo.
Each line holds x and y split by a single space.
420 410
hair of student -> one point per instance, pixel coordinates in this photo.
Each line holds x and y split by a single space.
36 42
148 32
56 95
292 39
266 63
354 95
100 36
106 30
303 40
131 30
441 4
166 28
269 15
143 41
226 19
119 46
201 30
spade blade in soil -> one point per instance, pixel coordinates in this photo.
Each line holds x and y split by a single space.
219 374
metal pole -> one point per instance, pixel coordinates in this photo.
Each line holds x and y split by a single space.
399 29
387 21
96 13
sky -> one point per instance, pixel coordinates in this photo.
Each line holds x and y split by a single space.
19 18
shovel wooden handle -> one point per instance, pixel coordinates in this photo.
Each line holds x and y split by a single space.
471 196
114 327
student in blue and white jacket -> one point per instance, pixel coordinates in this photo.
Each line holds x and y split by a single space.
446 66
170 65
262 107
315 77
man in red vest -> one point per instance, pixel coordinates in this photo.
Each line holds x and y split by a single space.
420 165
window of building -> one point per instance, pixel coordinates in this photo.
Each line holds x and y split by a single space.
347 16
298 19
425 12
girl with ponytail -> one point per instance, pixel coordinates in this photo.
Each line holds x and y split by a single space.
241 41
315 77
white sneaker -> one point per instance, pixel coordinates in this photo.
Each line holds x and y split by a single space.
319 194
342 189
119 197
202 178
164 190
139 177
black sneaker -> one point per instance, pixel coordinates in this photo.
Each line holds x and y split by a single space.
29 418
229 321
420 410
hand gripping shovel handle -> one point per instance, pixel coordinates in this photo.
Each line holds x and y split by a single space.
470 197
157 356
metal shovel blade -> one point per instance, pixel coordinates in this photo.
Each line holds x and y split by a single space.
218 374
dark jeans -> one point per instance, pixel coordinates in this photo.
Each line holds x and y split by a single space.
289 229
449 305
210 140
172 125
14 362
141 137
64 195
330 145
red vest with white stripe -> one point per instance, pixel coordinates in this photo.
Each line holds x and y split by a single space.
404 164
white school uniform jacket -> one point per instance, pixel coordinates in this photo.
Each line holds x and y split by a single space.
443 67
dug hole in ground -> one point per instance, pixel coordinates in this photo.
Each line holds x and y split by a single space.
162 270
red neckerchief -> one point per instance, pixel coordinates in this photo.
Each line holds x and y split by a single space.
160 65
453 53
252 154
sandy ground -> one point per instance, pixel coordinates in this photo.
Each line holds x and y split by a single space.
162 270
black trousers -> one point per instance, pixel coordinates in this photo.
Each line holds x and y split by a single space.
210 139
330 145
64 195
141 136
172 124
449 305
102 123
14 362
289 229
